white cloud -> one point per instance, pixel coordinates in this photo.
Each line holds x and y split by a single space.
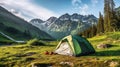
84 9
17 13
27 10
13 11
79 6
76 2
1 3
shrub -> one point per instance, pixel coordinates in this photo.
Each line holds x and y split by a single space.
35 42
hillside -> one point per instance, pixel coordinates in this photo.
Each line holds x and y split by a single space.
108 57
18 28
4 39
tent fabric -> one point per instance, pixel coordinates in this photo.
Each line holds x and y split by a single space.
74 45
64 49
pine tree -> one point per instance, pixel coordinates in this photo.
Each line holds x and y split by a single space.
118 20
100 25
93 31
113 16
106 15
109 16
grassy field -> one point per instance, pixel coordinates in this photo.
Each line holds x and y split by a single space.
24 55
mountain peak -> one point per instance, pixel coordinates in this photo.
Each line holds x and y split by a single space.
52 19
74 14
65 17
37 21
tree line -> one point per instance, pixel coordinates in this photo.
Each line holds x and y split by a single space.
110 22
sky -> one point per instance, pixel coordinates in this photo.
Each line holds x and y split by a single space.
43 9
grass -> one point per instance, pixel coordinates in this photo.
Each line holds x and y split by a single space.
23 55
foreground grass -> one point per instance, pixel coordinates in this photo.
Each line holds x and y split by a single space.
24 55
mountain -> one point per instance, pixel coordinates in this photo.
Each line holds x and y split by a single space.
65 24
18 28
38 23
50 21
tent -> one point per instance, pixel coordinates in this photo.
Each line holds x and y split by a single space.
74 45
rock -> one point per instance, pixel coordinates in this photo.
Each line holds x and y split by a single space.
67 64
103 46
114 64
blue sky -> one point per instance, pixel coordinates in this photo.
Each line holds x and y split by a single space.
43 9
83 7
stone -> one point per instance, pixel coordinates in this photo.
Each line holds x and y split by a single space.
103 46
67 63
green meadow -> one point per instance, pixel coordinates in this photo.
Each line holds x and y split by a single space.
24 55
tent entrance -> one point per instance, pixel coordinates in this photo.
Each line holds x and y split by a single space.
64 49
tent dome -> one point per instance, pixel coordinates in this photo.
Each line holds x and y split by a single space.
74 45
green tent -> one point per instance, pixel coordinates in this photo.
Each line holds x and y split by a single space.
74 45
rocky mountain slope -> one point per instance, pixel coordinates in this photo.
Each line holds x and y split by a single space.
65 24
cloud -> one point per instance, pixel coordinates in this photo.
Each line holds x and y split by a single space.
27 10
13 11
76 2
80 7
17 13
84 9
1 3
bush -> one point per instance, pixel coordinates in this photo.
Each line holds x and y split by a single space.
35 42
115 36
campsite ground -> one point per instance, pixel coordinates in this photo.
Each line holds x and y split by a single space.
23 55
